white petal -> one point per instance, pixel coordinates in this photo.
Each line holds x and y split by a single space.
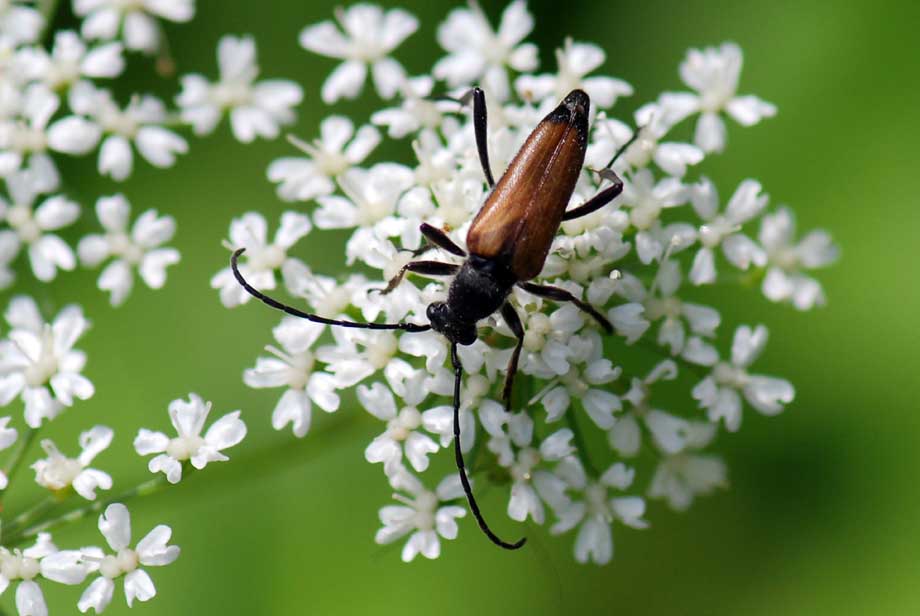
97 595
170 467
115 526
73 135
749 110
346 81
160 146
116 158
29 599
226 432
710 132
153 550
138 585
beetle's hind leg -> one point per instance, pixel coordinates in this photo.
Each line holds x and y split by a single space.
426 268
600 199
561 295
514 322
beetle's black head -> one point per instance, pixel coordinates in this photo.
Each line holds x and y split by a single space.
573 110
445 322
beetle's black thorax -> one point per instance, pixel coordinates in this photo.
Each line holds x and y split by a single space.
479 288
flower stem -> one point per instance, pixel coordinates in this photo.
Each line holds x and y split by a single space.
31 513
48 9
19 454
142 489
581 448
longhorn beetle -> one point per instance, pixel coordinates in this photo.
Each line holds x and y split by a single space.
507 243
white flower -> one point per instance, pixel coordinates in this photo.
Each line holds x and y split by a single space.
140 248
597 509
478 55
262 258
421 514
713 72
151 551
32 226
359 353
662 304
188 418
33 132
416 109
575 61
293 367
681 477
646 201
589 371
20 23
371 195
669 433
654 120
338 148
57 471
136 19
42 559
367 37
402 435
139 123
522 457
71 60
724 229
38 361
718 392
7 438
787 259
256 109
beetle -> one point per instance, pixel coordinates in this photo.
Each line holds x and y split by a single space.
507 245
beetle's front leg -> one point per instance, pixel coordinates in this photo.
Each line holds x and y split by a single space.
561 295
514 322
600 199
426 268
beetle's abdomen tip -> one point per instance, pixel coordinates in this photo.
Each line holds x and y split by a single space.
577 101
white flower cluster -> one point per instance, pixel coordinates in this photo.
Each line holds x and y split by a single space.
53 102
638 261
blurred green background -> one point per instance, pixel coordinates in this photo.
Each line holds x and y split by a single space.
822 515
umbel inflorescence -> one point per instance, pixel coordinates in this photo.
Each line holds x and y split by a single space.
638 261
588 437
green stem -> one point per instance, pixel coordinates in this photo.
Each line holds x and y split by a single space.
48 9
31 513
142 489
19 454
580 447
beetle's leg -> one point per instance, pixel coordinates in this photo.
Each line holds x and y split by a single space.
514 322
600 199
428 268
561 295
438 238
461 467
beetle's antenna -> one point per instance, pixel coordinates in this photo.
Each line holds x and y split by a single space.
458 375
408 327
623 147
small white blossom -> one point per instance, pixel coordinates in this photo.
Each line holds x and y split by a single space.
188 418
57 471
421 513
713 72
670 434
71 60
262 258
646 200
477 54
19 22
140 248
788 259
724 229
135 19
516 451
367 37
39 363
139 123
338 148
32 226
32 132
293 366
371 195
719 392
596 510
402 435
151 551
42 559
683 476
257 109
575 61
